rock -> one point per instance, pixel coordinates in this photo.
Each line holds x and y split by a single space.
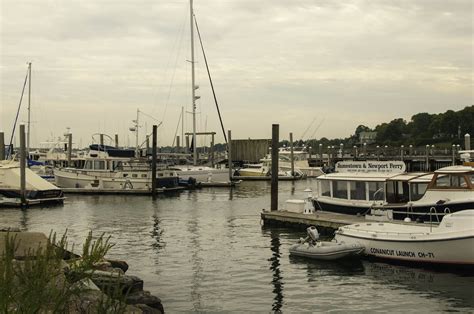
26 243
144 297
110 281
102 265
147 309
118 264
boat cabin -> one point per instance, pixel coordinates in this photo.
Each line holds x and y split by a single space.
453 178
392 188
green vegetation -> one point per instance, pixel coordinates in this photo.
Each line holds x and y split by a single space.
41 281
443 129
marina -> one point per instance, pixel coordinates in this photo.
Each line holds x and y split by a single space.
236 157
171 243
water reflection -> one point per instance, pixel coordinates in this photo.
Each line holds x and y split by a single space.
454 287
277 279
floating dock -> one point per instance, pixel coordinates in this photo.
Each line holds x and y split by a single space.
265 178
327 220
96 191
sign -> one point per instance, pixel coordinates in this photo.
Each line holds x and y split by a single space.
394 166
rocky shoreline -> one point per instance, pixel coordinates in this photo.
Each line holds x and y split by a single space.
87 284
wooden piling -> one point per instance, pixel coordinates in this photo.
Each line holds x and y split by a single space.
102 140
292 157
178 144
187 144
467 141
274 186
153 162
229 153
116 141
2 146
22 165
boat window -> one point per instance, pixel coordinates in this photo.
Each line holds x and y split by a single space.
397 192
143 175
357 190
339 189
99 164
134 175
88 164
376 191
325 188
450 181
417 190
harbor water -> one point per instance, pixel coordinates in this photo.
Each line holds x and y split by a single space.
206 251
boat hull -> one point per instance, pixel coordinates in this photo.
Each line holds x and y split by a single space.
448 251
326 250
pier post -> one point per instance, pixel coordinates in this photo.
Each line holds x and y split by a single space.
147 144
2 146
427 157
402 152
212 151
365 151
102 140
378 152
292 157
69 149
274 187
453 151
153 162
467 141
187 144
321 154
116 141
22 165
178 144
229 153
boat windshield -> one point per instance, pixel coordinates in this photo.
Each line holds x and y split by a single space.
417 190
397 191
450 181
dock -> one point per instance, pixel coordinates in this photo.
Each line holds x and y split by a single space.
264 178
95 191
327 220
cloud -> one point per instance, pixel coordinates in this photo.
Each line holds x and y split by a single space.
353 62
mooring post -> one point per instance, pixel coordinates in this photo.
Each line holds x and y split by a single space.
274 187
427 157
292 157
102 140
178 144
467 141
187 144
229 153
69 149
22 165
116 141
321 162
153 162
453 151
212 151
2 146
147 144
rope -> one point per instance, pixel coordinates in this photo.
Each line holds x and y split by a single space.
210 80
17 113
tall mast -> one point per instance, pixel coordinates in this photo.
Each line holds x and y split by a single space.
193 87
29 107
136 134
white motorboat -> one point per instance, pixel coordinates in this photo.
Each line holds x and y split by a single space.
201 173
101 171
450 242
37 191
397 195
324 250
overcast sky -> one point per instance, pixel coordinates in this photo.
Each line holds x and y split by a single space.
335 64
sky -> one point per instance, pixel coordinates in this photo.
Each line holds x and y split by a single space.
317 68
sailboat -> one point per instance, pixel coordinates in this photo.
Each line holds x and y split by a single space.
200 173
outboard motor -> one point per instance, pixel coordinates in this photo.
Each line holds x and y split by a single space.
313 234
